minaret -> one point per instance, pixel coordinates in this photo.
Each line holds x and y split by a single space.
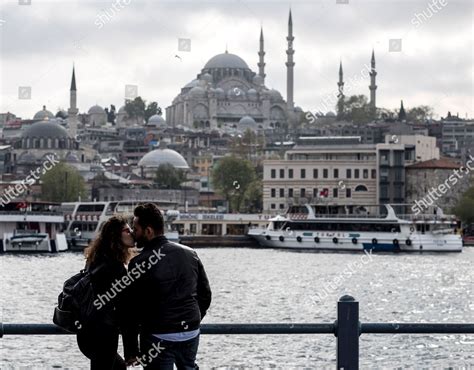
72 111
402 115
372 86
261 54
289 65
340 96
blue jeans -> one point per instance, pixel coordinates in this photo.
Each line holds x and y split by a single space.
162 354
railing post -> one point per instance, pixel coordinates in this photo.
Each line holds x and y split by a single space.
347 332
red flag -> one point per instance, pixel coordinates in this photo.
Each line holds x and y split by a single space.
324 193
21 205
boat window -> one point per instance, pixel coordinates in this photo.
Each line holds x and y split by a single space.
90 208
322 226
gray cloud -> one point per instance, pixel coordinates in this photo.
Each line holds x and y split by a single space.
139 43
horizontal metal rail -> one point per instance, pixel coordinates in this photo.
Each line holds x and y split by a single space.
347 329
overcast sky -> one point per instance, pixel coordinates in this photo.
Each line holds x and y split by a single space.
138 45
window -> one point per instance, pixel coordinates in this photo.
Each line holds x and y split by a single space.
335 192
290 173
356 174
348 173
290 193
325 173
272 206
348 193
315 173
303 193
282 193
273 173
282 173
360 188
303 173
366 174
282 206
273 193
336 173
374 174
315 192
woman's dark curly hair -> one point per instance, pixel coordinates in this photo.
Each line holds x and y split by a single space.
108 243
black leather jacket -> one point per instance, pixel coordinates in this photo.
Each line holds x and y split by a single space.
170 291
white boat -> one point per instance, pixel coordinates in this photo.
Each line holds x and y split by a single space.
85 219
32 227
359 228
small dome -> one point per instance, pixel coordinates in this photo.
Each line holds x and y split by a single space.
72 158
258 80
157 157
49 129
122 110
197 91
299 109
252 94
330 114
156 120
207 77
275 95
220 92
226 60
247 121
96 109
27 158
191 84
43 114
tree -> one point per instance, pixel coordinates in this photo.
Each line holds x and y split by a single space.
152 109
169 177
232 177
420 114
465 207
253 198
111 114
355 109
62 183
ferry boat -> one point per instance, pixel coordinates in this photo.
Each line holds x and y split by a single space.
359 228
83 220
32 227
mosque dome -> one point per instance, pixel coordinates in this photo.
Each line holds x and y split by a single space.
191 84
122 110
43 114
207 77
252 94
247 121
49 129
197 91
220 92
96 109
226 60
157 157
330 114
258 80
156 120
71 157
275 95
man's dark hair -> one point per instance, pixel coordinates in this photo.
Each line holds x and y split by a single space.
148 214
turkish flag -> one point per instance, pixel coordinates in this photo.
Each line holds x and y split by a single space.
324 193
21 205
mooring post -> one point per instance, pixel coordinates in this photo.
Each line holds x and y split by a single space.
347 332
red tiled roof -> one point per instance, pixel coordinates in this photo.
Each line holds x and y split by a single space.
442 163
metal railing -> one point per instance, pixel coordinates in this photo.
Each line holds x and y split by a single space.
347 329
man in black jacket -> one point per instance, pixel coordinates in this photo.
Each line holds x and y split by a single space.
170 295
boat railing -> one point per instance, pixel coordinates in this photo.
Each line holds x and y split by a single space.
424 217
346 328
32 213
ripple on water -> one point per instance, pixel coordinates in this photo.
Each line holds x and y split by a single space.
252 285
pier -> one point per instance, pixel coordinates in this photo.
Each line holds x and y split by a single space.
346 328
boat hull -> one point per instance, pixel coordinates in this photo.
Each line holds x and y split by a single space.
376 242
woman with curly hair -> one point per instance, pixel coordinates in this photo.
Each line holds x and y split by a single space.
106 258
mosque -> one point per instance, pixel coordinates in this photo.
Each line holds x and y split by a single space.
227 93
